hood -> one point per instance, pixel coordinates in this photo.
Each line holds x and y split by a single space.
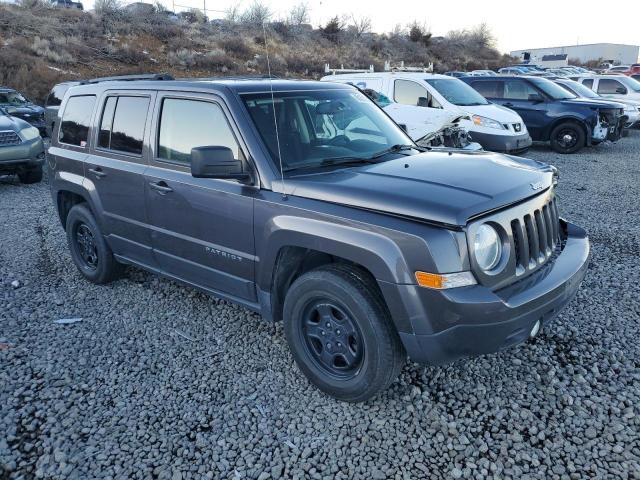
24 110
588 102
11 123
495 112
441 187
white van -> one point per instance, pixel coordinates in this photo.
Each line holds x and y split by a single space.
496 128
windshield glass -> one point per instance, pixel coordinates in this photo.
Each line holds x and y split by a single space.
320 128
579 89
555 91
630 83
12 98
457 92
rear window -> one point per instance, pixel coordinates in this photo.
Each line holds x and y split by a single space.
74 128
122 124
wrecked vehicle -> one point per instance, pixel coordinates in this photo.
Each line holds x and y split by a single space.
304 202
19 106
554 114
437 130
441 97
21 149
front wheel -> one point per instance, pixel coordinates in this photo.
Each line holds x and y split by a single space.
340 333
568 137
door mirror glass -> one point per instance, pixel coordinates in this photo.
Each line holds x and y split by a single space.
621 90
215 162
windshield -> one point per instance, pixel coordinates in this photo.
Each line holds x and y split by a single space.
555 91
12 98
630 83
457 92
322 128
579 89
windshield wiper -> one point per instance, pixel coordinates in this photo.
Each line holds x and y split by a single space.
396 149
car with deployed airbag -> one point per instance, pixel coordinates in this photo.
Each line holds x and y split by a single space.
553 114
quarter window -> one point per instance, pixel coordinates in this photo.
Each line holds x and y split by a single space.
74 129
588 82
186 124
610 86
122 124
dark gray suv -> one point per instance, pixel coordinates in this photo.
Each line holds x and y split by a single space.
303 201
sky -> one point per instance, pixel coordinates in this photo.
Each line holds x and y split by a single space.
516 24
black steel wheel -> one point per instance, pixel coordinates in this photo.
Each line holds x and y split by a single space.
88 248
340 332
332 338
568 137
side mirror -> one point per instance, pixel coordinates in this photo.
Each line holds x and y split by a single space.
621 90
536 98
403 127
216 162
423 102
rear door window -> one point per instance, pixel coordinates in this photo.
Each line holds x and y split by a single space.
518 90
76 119
489 89
122 124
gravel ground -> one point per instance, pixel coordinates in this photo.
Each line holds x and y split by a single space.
160 381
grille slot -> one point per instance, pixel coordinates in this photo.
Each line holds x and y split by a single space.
535 237
8 138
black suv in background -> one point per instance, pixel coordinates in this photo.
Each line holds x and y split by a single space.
553 114
305 202
19 106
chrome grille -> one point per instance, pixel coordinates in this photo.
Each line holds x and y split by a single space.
8 138
535 236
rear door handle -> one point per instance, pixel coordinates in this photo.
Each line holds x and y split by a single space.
97 172
161 187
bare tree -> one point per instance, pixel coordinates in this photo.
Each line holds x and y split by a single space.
232 14
419 33
107 7
398 31
361 25
482 36
257 14
299 14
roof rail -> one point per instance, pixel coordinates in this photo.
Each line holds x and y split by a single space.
150 76
231 77
334 71
402 68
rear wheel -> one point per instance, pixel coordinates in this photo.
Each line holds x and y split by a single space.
89 250
340 333
568 137
32 175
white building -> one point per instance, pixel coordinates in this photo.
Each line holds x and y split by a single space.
608 52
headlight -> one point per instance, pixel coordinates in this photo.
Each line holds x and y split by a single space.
487 247
29 133
487 122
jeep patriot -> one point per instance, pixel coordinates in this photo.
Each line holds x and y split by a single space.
305 202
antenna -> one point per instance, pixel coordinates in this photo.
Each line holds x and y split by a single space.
273 105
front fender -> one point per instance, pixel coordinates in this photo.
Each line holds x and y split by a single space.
375 252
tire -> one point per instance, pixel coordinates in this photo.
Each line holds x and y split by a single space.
342 306
89 251
568 137
33 175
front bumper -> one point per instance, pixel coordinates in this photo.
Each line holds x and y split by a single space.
503 143
475 320
27 155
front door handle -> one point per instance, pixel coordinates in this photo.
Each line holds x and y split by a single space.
161 187
97 172
508 105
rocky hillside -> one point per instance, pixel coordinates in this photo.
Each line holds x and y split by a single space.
41 45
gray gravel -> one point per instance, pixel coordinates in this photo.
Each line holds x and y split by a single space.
160 381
